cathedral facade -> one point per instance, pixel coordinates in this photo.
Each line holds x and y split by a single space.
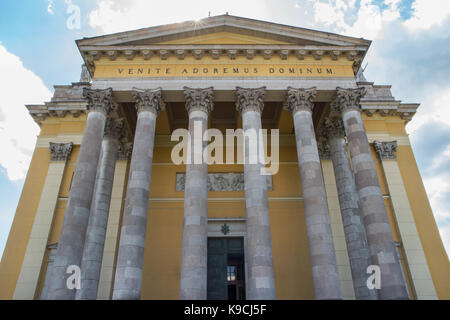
228 158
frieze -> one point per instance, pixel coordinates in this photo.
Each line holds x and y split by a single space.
225 70
229 181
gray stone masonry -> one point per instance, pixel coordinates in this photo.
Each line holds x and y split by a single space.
379 235
261 283
355 234
199 103
71 239
91 262
130 259
321 247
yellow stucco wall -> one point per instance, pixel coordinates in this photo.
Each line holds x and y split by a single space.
23 221
162 260
433 247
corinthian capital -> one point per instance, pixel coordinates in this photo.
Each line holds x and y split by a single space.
250 99
347 99
60 151
114 128
124 151
333 127
300 99
198 99
324 150
100 100
386 150
148 100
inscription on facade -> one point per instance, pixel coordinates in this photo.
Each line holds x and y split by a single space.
226 70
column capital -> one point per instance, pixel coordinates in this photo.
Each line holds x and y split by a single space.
324 150
100 100
250 99
333 127
60 151
124 151
300 99
199 99
386 150
348 99
114 128
148 100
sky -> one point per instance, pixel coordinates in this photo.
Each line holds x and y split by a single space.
410 51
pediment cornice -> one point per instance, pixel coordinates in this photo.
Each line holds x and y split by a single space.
240 25
150 43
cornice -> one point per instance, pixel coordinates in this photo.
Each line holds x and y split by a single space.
41 112
162 52
223 23
404 111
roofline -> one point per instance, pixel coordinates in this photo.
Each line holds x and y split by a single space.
359 41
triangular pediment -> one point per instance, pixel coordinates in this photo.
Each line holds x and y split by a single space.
227 38
224 29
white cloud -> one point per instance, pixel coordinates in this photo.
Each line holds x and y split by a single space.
428 13
116 16
50 7
438 189
18 131
328 14
435 109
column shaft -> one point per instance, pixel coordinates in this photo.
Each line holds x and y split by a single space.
371 202
261 282
321 247
98 220
194 248
71 239
355 234
193 276
130 259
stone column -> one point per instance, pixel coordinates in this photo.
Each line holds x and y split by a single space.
96 232
130 259
37 244
113 227
371 202
71 239
199 103
355 234
261 284
321 247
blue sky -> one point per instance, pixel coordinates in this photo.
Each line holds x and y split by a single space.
410 50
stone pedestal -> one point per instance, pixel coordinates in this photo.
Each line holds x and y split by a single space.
261 284
321 247
130 259
71 239
371 202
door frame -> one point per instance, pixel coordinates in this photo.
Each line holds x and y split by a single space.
237 229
